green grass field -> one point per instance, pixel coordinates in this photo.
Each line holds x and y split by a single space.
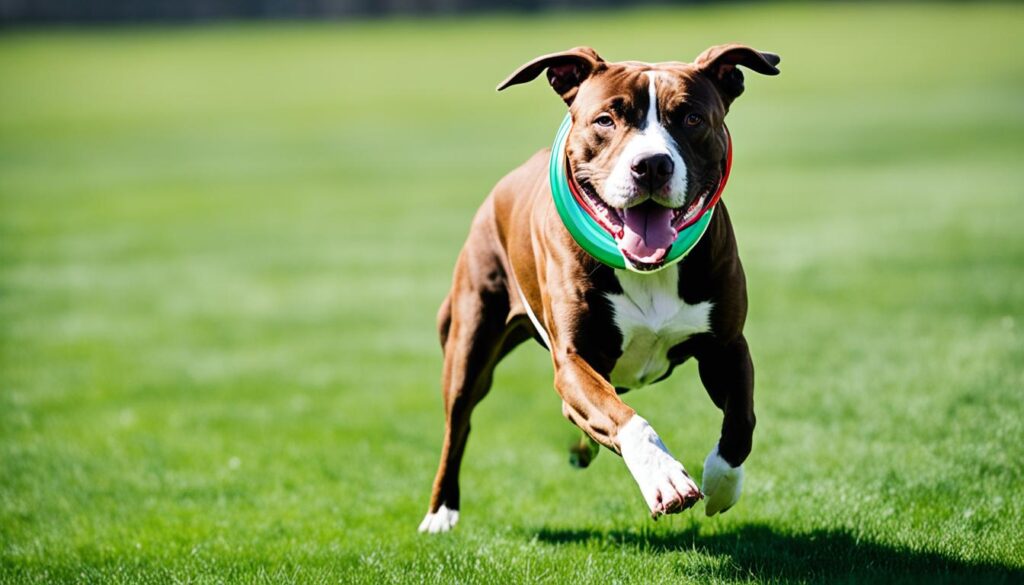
222 249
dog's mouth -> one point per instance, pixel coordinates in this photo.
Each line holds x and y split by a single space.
644 232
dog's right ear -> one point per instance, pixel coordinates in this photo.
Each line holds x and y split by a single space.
566 71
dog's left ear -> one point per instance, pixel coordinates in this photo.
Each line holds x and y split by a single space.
719 63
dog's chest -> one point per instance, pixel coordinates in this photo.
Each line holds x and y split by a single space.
652 319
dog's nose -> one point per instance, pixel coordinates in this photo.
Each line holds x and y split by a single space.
652 171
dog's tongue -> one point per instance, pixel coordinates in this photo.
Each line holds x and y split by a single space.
648 232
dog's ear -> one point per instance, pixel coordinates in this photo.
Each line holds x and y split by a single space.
566 71
720 64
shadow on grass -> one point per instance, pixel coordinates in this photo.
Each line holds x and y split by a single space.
757 551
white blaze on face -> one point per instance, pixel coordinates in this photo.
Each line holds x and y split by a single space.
620 189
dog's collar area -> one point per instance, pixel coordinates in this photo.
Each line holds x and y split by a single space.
596 238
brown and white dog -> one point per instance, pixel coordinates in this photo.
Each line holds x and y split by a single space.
648 143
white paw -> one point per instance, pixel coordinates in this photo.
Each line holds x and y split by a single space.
722 483
441 521
664 483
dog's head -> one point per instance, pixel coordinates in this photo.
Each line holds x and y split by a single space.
648 141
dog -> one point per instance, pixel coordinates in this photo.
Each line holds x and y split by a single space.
645 158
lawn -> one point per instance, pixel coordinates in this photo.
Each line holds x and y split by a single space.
222 249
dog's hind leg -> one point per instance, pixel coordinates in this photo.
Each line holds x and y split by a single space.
583 452
474 336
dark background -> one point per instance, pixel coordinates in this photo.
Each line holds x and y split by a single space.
109 11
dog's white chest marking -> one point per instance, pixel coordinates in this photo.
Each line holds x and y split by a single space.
652 319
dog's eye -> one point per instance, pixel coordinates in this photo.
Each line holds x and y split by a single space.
694 120
604 121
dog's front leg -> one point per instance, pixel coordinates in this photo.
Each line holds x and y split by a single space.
591 403
728 375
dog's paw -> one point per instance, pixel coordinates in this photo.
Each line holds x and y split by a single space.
722 483
583 452
663 481
441 521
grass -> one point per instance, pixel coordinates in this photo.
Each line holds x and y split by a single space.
222 247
